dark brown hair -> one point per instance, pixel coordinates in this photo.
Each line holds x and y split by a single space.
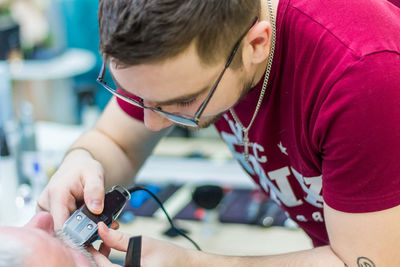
136 32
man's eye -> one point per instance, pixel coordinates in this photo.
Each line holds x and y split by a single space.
186 103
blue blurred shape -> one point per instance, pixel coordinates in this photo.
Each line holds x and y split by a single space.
139 197
127 217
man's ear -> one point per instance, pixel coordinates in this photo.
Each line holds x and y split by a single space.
259 39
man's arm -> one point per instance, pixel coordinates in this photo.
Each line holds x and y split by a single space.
120 143
317 257
366 239
359 240
111 153
362 240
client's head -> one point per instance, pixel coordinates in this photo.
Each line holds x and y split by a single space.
37 244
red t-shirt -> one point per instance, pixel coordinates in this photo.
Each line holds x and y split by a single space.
328 129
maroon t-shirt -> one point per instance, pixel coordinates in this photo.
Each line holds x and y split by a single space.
328 129
395 2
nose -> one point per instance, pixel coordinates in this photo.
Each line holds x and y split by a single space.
42 220
155 121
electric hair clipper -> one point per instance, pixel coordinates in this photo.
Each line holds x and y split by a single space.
82 225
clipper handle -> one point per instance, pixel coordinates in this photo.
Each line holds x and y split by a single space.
82 225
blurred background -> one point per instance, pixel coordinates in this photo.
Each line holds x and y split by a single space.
49 62
48 94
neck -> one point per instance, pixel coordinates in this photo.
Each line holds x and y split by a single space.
260 69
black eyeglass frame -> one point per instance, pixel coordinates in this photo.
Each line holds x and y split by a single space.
178 119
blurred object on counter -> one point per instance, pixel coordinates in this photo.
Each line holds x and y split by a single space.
31 16
8 182
27 140
45 74
89 111
231 205
47 84
6 109
38 179
9 36
9 46
208 197
80 30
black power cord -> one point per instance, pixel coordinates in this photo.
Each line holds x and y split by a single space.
139 188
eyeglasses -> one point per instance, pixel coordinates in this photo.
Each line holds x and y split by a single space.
178 119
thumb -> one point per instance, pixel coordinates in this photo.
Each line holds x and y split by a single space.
94 193
113 238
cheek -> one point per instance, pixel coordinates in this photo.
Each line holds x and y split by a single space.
226 95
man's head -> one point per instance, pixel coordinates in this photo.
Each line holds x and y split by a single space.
134 32
170 53
37 244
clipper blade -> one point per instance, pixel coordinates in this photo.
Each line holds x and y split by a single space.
80 228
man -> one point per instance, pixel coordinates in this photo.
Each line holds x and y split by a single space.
305 93
36 244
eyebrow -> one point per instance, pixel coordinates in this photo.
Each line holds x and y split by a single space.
183 98
176 100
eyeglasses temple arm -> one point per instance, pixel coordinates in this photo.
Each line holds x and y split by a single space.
102 72
228 63
204 104
237 44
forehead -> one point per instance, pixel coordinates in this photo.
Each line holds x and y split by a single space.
171 78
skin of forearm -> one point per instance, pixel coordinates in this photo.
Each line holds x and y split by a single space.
317 257
118 167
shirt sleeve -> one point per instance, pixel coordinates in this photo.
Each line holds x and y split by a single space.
359 130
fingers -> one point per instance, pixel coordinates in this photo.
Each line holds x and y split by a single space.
61 210
60 205
79 178
39 208
94 190
112 238
115 225
105 250
42 203
100 259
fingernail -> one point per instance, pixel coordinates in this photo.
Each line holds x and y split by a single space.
102 228
96 205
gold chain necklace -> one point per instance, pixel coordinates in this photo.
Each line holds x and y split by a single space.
246 142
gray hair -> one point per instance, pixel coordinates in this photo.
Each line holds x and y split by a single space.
67 240
13 253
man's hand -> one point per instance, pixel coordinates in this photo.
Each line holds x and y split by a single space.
80 177
119 145
154 252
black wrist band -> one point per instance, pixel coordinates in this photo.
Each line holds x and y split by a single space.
134 252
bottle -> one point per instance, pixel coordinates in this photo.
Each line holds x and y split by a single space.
90 112
38 180
27 149
8 183
6 110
